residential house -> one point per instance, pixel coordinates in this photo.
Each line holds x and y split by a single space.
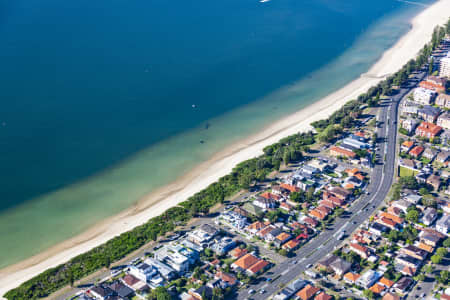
227 278
255 227
428 130
443 224
434 181
386 282
434 83
360 250
238 252
249 264
423 96
412 198
377 288
416 151
339 192
406 146
308 292
390 296
281 239
443 156
425 247
101 292
378 229
415 252
430 153
398 220
429 216
444 120
429 113
409 108
147 273
134 283
323 296
340 266
177 256
264 203
291 245
286 206
203 235
409 124
403 285
368 278
351 277
223 245
289 187
388 222
430 238
204 292
443 100
338 151
408 261
121 290
407 163
310 222
401 204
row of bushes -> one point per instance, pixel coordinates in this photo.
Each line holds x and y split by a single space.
243 175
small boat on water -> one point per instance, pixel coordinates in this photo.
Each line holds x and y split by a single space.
262 1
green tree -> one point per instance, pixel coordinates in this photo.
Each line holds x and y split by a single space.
447 242
442 252
443 277
368 294
412 216
430 66
436 259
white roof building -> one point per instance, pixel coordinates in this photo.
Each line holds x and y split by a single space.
423 96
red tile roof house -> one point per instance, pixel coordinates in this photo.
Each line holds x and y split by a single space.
289 187
323 296
338 151
416 151
311 222
339 192
406 146
268 195
238 252
291 245
428 130
317 214
255 227
434 83
250 264
388 222
335 200
328 203
360 250
308 292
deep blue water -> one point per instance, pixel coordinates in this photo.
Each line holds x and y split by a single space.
85 84
96 95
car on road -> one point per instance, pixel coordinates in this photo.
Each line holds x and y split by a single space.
251 291
354 222
262 291
308 266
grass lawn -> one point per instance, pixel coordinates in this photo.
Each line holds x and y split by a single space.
406 172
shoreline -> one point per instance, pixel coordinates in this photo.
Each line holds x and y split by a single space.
221 163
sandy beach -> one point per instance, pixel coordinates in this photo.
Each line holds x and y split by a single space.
222 163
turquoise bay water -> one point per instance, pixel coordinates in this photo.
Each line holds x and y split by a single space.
96 96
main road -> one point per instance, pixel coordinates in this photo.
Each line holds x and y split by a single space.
380 183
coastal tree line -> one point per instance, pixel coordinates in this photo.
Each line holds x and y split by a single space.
243 176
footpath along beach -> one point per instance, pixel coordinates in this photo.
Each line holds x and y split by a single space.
222 163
